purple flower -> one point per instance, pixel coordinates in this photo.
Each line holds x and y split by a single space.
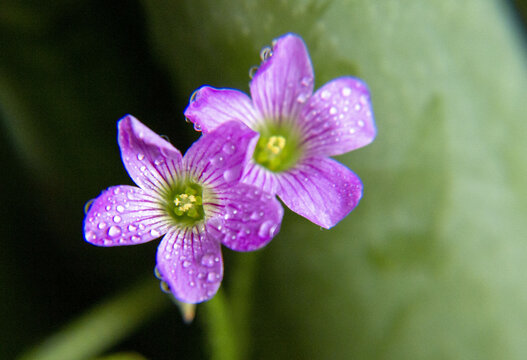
298 131
197 201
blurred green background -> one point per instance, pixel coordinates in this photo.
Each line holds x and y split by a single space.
432 263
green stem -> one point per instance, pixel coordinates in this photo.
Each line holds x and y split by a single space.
103 326
227 320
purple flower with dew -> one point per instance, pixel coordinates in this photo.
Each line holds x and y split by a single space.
196 201
298 130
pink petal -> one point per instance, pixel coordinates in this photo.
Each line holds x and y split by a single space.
249 219
212 107
260 177
321 190
124 215
151 161
338 118
284 81
218 158
191 264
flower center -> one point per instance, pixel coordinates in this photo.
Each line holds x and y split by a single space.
185 203
277 149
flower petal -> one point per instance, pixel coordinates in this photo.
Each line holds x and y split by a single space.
338 118
321 190
124 215
218 158
190 263
151 161
260 177
211 107
284 81
249 220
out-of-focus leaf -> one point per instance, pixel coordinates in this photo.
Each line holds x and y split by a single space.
103 326
431 263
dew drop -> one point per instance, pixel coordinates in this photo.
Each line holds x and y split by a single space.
325 94
333 110
101 225
301 98
155 233
267 229
192 284
88 205
135 238
357 107
142 168
164 287
360 123
132 227
252 71
207 260
266 53
108 207
232 174
90 236
352 131
159 161
140 156
212 277
229 149
306 81
117 190
117 219
114 231
193 96
186 264
346 91
197 127
255 215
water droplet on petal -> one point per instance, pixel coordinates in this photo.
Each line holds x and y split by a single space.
267 229
101 225
90 236
197 127
229 148
194 96
88 205
186 263
155 233
346 91
360 123
192 284
357 107
325 94
135 238
333 110
266 53
212 277
164 287
306 81
114 231
140 156
301 98
252 71
117 219
207 260
232 174
120 208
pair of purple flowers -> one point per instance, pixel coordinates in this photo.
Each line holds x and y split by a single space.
223 190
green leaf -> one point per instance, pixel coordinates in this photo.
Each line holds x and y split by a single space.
430 265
